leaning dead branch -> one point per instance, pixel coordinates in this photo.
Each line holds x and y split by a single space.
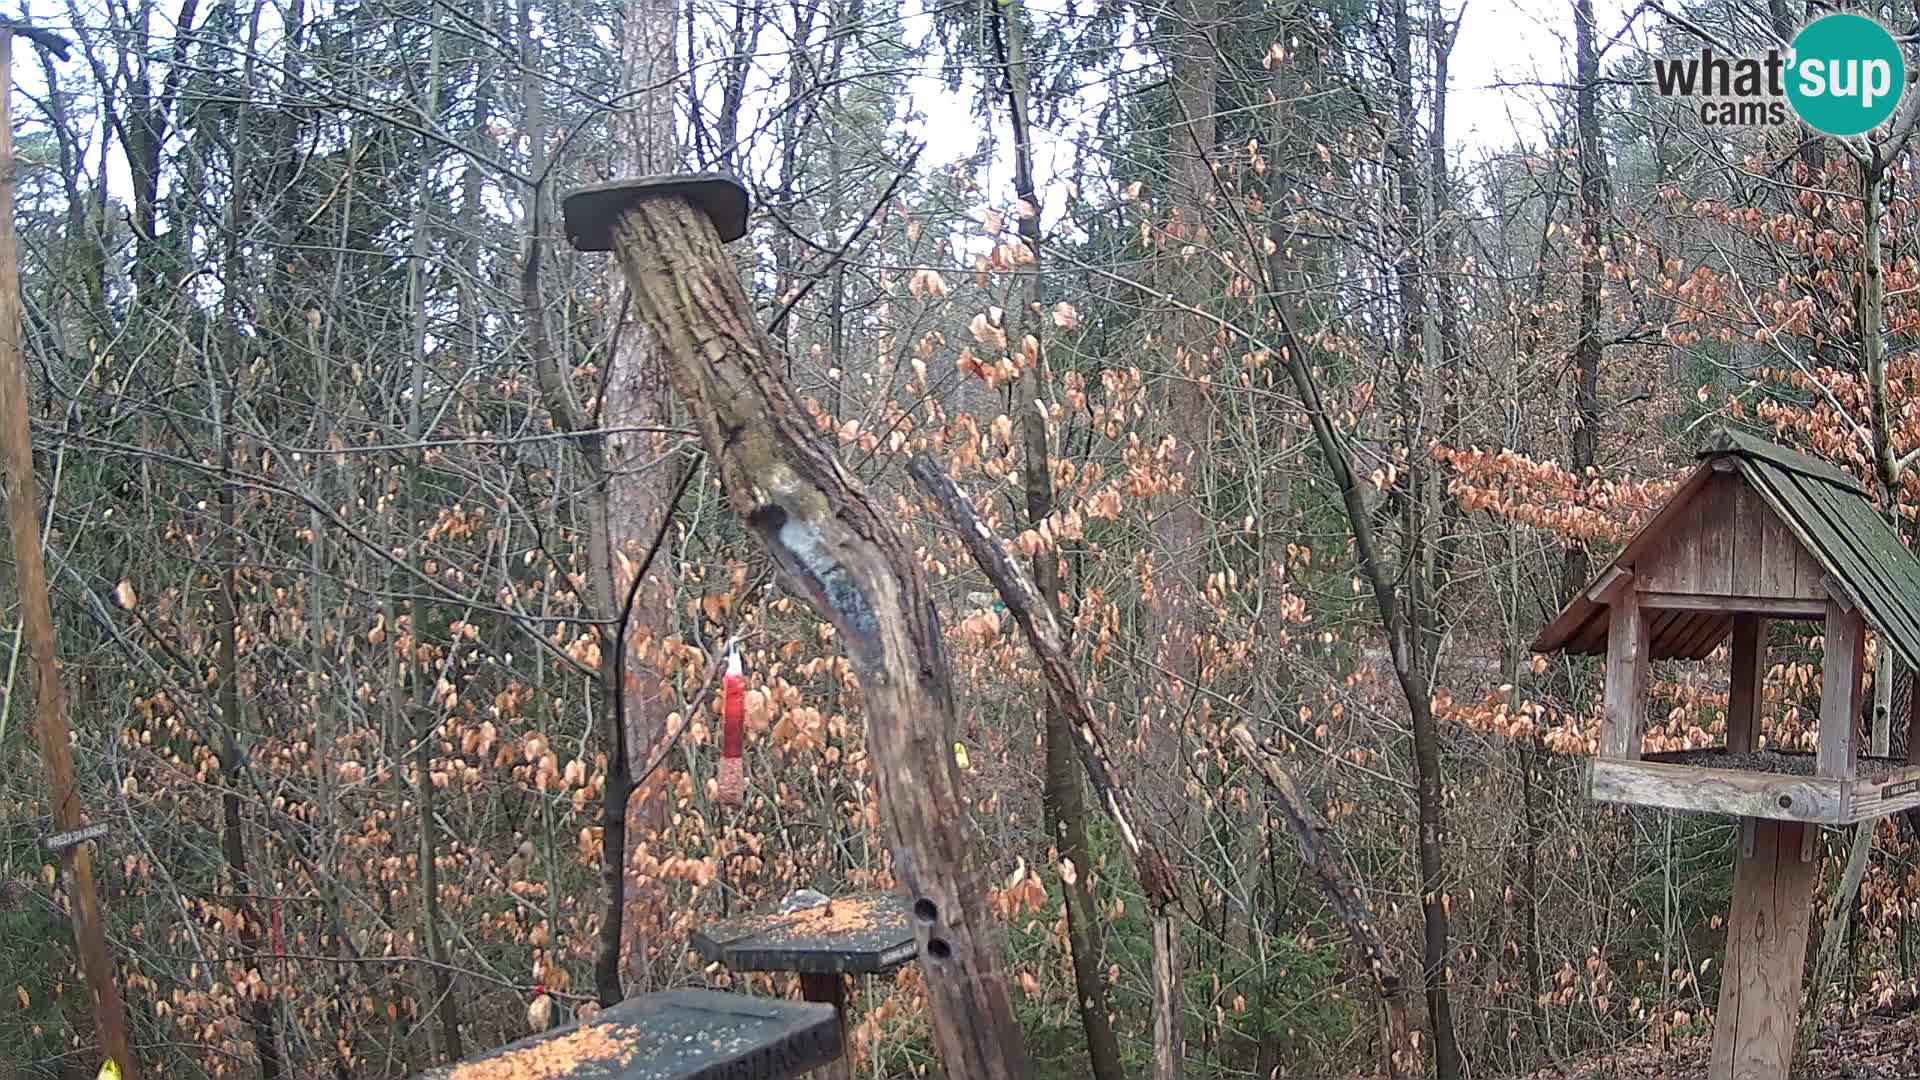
1397 1057
1035 617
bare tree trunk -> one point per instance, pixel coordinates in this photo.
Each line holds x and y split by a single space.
1576 566
325 710
1873 357
446 1009
223 370
1180 532
1417 631
633 486
1888 470
1062 800
625 500
36 611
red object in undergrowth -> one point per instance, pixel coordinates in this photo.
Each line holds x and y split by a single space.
540 1009
279 940
733 720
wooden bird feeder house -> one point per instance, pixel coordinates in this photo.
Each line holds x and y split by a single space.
1758 532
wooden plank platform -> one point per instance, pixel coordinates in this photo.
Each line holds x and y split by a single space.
861 934
1765 784
671 1035
855 934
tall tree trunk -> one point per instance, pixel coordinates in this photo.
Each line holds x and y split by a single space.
1063 801
1443 265
224 368
1418 630
634 484
424 706
1533 753
1888 470
320 687
36 612
1576 567
1180 532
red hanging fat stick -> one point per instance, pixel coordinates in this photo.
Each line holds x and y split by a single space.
733 718
540 1009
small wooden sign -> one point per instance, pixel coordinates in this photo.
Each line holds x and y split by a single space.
62 841
1904 787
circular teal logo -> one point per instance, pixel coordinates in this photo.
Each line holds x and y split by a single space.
1846 75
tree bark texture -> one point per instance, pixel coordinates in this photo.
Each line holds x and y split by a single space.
1416 615
36 614
1576 566
636 478
837 550
1180 532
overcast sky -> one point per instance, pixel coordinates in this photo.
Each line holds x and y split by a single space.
1504 69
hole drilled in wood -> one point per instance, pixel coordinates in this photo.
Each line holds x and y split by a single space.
938 948
926 910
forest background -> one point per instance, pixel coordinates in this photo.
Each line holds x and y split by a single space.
1354 337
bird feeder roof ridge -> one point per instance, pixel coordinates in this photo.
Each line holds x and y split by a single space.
1729 442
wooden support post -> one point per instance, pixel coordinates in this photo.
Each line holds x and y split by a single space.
1744 688
1622 723
837 548
36 613
830 988
1846 636
1766 950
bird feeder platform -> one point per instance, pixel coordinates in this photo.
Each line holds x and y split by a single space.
671 1035
864 934
852 935
1757 532
1779 786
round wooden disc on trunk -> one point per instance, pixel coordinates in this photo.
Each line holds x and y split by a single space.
591 212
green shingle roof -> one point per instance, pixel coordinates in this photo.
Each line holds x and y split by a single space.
1831 514
1828 511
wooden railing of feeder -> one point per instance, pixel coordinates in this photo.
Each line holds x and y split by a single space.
837 549
1756 533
